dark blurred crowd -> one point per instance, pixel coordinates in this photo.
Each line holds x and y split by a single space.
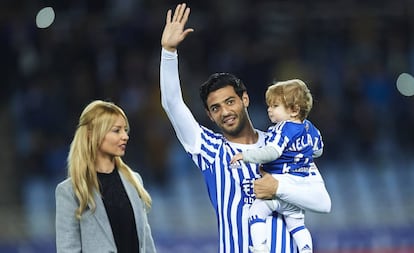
350 53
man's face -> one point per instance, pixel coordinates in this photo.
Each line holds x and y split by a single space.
228 110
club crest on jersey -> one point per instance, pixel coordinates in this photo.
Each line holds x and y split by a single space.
247 190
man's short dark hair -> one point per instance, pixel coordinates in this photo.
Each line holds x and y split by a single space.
219 80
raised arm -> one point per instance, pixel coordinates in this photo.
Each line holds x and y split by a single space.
184 123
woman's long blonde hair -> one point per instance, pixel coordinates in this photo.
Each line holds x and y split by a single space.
95 122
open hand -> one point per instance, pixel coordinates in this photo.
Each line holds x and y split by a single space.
174 31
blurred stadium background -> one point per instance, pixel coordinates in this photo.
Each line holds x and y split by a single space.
349 52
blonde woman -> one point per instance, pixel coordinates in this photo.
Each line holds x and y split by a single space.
102 206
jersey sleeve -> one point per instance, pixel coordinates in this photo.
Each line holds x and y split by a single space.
264 154
277 138
317 140
186 127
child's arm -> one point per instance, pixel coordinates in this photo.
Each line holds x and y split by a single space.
259 155
317 153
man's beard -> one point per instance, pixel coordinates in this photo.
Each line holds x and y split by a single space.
235 132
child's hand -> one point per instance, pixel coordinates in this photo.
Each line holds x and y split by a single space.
236 157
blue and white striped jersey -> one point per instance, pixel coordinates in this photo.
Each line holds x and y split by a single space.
296 142
231 193
230 190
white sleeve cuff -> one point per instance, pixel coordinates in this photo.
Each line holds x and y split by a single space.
165 54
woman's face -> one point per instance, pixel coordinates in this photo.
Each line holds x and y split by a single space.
114 142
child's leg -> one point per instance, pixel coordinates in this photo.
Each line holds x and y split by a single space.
258 213
300 233
305 192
